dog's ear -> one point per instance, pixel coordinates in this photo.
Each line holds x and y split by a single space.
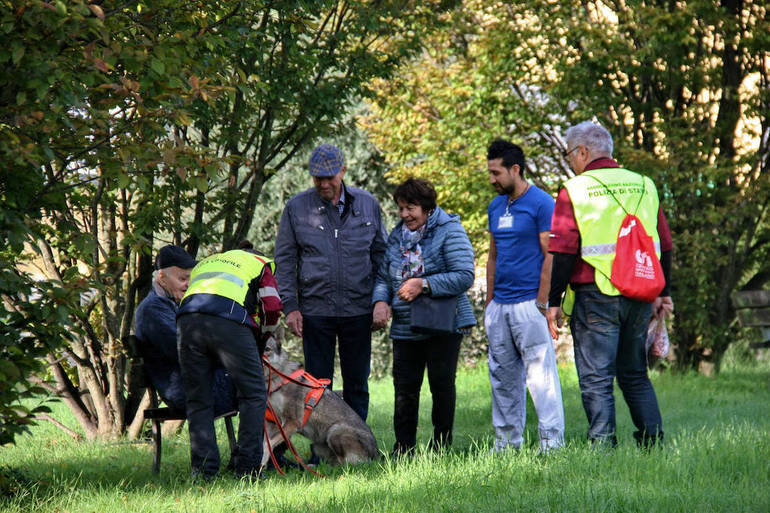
272 346
268 351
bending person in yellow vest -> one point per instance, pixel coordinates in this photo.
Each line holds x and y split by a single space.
226 315
609 330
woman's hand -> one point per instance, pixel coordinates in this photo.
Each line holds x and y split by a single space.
410 289
381 315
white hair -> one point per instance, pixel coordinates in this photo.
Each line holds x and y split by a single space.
155 277
593 136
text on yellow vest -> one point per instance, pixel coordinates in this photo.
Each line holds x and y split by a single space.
599 215
227 274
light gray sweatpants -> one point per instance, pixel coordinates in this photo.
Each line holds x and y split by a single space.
521 356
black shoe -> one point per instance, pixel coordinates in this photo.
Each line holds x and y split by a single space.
198 476
283 462
253 475
402 451
314 460
610 442
441 444
646 441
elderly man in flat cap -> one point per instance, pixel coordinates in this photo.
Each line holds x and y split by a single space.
330 243
156 331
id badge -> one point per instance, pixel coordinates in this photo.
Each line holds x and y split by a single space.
505 221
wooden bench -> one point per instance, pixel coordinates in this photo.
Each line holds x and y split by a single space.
753 309
157 414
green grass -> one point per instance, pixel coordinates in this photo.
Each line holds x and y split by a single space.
716 458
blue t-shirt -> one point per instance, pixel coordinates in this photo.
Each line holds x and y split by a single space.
519 257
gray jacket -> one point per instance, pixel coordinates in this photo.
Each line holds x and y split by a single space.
326 264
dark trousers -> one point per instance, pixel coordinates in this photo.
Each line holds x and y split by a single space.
609 334
410 357
203 340
319 337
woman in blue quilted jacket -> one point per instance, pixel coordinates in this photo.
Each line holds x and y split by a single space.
428 253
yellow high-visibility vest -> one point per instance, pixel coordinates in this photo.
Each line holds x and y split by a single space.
597 196
227 274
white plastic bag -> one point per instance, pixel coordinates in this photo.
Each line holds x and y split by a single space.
657 340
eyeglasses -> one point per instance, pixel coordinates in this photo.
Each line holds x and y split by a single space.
566 154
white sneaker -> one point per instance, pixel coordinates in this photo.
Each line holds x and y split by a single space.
548 446
503 446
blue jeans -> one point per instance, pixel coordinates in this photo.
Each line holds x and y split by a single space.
319 338
609 333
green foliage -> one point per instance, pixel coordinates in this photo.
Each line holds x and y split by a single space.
436 118
12 482
34 318
680 85
291 71
126 127
86 107
684 88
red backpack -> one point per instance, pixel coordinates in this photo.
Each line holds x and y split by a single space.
636 270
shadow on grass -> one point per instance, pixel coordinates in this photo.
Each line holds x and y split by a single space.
707 421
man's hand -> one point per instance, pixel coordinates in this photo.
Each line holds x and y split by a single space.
294 321
410 289
381 315
662 307
554 316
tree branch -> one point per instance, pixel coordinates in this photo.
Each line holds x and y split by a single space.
70 394
73 434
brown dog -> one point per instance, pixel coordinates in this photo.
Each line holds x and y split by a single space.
338 434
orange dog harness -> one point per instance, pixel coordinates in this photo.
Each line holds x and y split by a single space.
305 379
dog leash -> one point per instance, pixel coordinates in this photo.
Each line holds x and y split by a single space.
289 445
317 386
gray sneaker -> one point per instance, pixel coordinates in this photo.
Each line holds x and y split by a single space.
503 447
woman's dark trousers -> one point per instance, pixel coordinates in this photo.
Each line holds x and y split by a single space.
410 358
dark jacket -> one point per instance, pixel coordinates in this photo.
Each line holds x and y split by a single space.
156 331
448 260
326 263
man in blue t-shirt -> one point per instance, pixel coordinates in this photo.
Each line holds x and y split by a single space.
521 353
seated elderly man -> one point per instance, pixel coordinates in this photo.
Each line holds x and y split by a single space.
156 331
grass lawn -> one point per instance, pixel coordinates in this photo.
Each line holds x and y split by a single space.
716 458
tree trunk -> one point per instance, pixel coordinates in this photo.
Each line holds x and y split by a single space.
134 430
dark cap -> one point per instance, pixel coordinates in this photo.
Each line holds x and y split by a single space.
326 160
170 256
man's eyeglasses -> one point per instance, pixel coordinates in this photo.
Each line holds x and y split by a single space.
566 153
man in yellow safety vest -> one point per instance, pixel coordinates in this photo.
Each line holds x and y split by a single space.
230 308
609 330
